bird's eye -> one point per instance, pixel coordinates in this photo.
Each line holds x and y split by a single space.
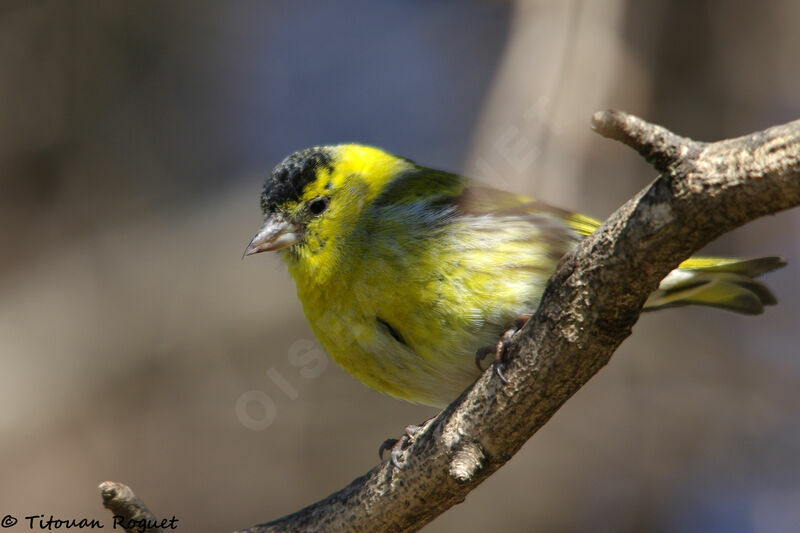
317 206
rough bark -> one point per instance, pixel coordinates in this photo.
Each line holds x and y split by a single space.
122 502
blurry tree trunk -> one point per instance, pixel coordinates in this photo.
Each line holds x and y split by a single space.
561 60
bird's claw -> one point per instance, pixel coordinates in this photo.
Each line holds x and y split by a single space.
398 445
500 348
499 366
388 444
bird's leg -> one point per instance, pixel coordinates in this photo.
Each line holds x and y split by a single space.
398 445
500 348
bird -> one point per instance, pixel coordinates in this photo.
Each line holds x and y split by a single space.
405 272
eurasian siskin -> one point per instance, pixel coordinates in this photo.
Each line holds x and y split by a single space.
404 272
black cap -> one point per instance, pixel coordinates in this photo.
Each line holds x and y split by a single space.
288 180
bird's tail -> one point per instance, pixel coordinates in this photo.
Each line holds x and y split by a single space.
717 282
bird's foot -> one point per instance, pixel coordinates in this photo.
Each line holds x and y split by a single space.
398 445
500 348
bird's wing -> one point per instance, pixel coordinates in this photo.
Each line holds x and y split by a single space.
477 199
460 195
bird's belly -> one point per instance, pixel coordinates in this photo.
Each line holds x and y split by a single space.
418 348
366 349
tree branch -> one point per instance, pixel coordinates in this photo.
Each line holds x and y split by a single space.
129 511
588 308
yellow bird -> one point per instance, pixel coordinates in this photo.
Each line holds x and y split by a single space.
405 272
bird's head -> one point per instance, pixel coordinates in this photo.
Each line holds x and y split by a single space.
315 197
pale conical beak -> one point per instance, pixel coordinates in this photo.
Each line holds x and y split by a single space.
276 234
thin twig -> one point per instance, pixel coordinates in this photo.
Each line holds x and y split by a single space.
129 511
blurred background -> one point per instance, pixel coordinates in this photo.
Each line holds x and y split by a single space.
136 346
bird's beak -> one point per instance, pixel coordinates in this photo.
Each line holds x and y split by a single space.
277 233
